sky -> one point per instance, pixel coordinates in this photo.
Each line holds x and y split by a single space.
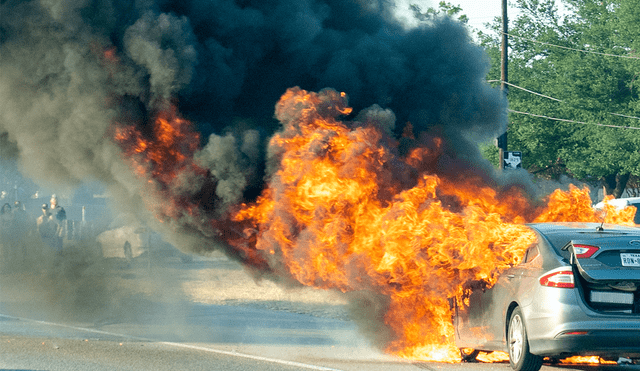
479 12
482 11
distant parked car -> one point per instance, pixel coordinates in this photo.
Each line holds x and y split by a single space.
127 238
621 203
576 292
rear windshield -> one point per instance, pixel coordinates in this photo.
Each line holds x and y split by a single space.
558 240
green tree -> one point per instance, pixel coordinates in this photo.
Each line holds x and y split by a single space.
575 66
444 9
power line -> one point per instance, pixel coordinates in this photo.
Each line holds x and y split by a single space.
573 121
561 101
574 49
625 116
528 91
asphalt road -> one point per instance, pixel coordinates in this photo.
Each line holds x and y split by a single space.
72 322
207 337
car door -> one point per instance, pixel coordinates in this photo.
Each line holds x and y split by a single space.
514 285
469 320
480 323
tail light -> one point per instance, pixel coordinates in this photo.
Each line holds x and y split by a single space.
584 251
559 277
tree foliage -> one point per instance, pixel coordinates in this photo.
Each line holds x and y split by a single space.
444 9
573 88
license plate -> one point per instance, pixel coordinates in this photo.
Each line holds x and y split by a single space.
630 260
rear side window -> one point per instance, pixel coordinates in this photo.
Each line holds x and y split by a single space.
532 253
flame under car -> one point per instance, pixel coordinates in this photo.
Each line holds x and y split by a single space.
575 293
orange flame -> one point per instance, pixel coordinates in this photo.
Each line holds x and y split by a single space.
343 212
587 360
493 357
167 152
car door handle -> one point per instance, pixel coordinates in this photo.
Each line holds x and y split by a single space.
510 276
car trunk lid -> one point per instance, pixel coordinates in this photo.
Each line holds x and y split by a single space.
607 260
609 272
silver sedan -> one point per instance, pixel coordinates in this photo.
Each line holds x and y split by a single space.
576 292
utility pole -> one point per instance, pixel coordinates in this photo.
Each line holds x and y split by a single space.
502 139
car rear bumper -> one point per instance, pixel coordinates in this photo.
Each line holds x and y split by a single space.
591 342
565 325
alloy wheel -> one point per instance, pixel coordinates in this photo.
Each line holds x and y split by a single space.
516 338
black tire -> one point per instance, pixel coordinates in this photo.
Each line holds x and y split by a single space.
469 354
518 343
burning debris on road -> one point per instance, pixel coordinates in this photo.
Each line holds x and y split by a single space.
366 181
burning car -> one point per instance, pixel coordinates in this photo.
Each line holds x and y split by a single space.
575 293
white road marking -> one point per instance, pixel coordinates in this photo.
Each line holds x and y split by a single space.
179 345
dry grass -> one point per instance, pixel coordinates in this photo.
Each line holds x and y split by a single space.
237 287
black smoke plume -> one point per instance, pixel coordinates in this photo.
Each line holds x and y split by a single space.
73 69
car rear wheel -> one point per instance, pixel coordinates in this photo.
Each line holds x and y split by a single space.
519 356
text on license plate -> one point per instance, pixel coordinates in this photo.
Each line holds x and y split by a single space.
630 260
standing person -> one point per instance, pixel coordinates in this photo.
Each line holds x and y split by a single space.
18 206
56 210
48 228
6 235
6 220
22 220
59 215
5 211
42 222
23 226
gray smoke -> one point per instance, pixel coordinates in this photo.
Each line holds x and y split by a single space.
163 46
231 163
